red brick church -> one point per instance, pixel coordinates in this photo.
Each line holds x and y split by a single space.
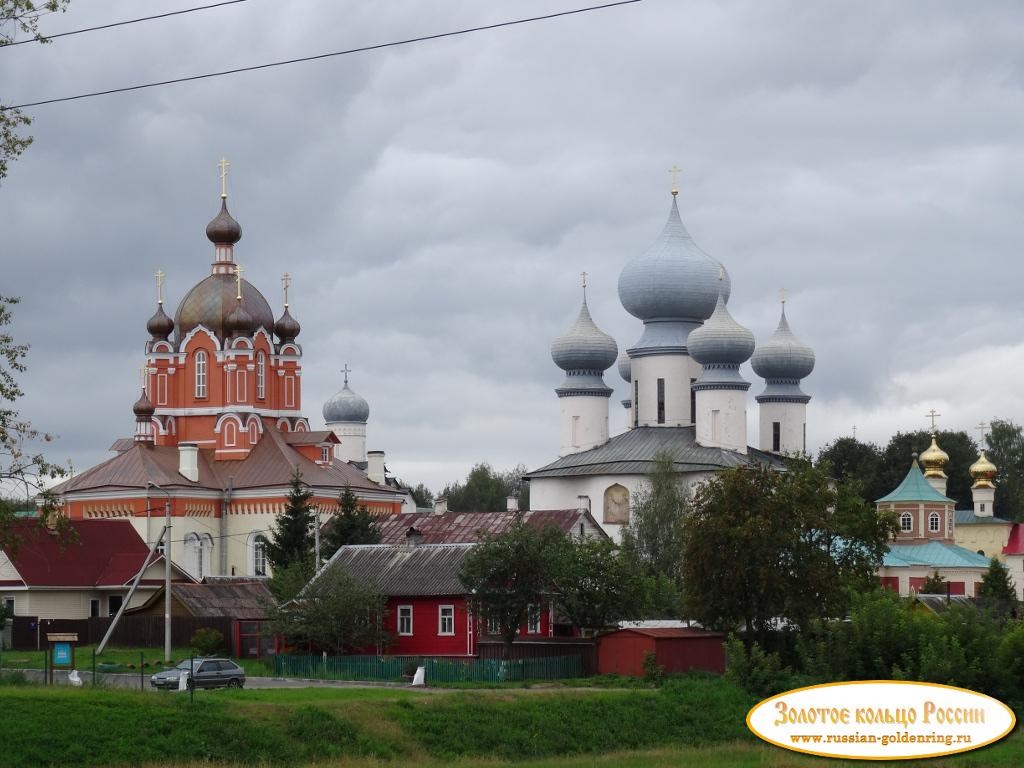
219 428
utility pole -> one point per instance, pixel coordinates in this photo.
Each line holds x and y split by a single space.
167 572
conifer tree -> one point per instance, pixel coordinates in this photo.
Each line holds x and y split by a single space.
996 584
933 585
353 524
291 539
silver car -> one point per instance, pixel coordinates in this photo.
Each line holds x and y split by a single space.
202 673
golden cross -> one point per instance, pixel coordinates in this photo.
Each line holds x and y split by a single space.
346 370
932 415
238 280
286 280
982 428
675 173
223 176
160 286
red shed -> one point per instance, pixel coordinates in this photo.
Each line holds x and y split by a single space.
676 649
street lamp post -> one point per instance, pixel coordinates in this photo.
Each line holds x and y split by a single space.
167 572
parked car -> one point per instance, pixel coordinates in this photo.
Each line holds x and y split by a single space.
203 673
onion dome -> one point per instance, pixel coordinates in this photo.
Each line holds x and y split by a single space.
584 347
160 326
287 327
782 361
934 460
721 340
346 405
673 279
983 472
239 322
625 366
143 408
211 301
224 230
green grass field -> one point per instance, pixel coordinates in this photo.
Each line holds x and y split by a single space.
693 721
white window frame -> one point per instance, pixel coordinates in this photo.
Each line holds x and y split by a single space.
446 614
230 434
241 386
161 389
533 622
200 364
934 522
10 603
289 391
325 454
493 625
906 522
259 555
405 613
261 376
94 601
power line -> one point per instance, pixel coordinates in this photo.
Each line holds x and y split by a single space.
122 23
362 49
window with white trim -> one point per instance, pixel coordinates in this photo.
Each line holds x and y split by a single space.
161 389
533 619
261 376
934 522
446 620
906 522
259 555
405 620
200 373
241 385
254 433
289 391
325 454
230 433
493 624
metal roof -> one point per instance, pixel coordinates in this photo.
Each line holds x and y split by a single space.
967 517
933 554
633 452
471 527
914 488
404 570
235 599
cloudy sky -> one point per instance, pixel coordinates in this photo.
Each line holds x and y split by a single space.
436 202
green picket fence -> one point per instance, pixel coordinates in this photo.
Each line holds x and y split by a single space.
400 668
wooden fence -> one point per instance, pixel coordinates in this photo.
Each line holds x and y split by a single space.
438 670
29 632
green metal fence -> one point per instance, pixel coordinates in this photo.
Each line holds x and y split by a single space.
400 668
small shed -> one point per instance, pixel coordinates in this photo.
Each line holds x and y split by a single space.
676 649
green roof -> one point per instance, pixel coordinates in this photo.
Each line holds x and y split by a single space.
914 488
933 554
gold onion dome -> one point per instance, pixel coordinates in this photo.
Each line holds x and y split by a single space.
934 460
983 472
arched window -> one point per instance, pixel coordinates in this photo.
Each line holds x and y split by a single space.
201 373
261 376
253 433
906 522
258 554
934 522
616 505
230 433
197 554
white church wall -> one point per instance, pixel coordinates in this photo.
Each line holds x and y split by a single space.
722 419
584 423
677 371
792 418
352 437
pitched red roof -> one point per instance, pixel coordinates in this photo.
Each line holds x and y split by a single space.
1015 541
271 463
471 527
106 553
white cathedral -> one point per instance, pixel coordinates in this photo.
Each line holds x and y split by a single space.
687 396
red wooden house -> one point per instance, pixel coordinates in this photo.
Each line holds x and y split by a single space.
428 609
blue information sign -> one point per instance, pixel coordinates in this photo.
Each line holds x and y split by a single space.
62 654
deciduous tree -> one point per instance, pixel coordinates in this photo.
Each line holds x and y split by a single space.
1006 451
653 537
598 586
507 574
761 545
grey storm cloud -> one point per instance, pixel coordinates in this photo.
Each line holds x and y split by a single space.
435 203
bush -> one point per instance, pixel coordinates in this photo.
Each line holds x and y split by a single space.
755 671
208 641
654 673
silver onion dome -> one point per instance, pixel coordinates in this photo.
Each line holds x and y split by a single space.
783 356
721 340
625 366
584 347
673 279
346 405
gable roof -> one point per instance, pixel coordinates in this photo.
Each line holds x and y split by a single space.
967 517
270 464
404 571
235 598
933 554
472 527
633 452
103 553
914 488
